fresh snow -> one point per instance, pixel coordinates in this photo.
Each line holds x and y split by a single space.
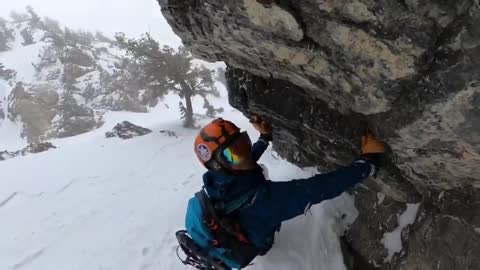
380 198
3 97
393 240
20 58
97 203
10 137
9 131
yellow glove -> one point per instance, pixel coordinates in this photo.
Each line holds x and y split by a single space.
371 145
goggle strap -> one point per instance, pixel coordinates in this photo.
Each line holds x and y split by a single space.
228 137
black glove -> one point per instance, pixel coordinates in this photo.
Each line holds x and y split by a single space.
263 127
376 159
268 137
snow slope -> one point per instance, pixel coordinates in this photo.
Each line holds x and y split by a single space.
21 58
97 203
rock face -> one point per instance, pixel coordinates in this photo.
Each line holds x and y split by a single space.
35 105
323 71
47 114
73 118
127 130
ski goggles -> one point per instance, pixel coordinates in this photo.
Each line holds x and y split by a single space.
238 150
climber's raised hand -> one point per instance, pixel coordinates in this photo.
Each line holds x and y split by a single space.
372 149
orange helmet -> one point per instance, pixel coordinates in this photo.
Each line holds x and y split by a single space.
220 144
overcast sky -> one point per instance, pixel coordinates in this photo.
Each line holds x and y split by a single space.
133 17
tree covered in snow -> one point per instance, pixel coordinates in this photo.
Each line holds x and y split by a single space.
73 77
76 38
6 35
18 17
27 36
7 74
35 21
101 37
165 69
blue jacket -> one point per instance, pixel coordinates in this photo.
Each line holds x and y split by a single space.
271 202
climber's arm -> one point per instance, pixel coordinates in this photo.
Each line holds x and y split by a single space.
259 147
293 198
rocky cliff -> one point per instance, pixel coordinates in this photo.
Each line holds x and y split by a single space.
324 70
58 82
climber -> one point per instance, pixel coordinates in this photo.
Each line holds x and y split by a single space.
234 218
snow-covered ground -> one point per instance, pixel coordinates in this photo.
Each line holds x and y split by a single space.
97 203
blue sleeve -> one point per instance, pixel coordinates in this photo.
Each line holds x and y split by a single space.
293 198
259 148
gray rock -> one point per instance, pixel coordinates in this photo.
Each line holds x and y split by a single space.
47 115
72 72
127 130
378 214
323 71
352 259
77 56
449 236
35 105
32 148
73 119
169 133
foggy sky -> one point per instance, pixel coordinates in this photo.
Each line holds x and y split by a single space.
133 17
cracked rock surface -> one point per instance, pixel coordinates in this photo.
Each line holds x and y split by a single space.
324 70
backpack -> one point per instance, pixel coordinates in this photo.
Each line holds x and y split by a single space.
227 235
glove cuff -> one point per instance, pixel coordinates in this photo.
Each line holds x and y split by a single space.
266 137
375 161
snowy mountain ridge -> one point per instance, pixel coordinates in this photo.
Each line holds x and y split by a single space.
59 82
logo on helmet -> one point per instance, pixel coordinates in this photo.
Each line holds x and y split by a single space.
203 152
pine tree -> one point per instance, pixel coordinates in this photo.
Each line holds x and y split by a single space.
6 35
27 37
7 74
35 20
170 70
19 17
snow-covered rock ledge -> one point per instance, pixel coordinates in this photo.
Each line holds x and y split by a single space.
32 148
127 130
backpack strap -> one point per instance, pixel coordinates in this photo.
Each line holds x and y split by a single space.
205 203
229 238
